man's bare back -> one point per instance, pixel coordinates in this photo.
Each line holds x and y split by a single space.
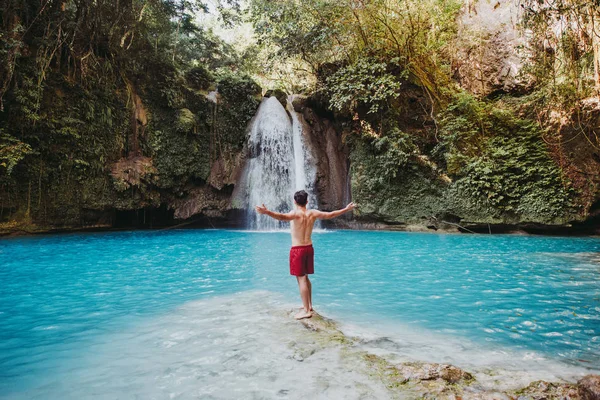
302 227
302 222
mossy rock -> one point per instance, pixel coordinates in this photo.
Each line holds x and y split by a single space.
199 78
279 94
186 120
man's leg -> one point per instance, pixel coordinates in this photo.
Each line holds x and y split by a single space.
304 293
309 294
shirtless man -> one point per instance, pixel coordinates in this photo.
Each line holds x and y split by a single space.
302 253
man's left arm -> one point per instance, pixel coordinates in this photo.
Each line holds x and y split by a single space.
279 216
333 214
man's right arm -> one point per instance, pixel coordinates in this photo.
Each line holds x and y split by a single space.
279 216
334 214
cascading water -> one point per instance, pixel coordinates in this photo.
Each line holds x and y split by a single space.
305 165
279 163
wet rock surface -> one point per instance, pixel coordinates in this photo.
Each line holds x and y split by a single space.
589 387
333 166
541 390
424 380
201 200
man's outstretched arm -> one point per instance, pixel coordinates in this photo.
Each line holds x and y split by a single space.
333 214
281 217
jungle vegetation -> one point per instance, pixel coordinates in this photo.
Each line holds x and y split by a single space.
499 150
104 103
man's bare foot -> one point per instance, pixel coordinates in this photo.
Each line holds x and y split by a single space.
303 314
302 308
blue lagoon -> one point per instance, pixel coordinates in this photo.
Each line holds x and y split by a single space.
205 313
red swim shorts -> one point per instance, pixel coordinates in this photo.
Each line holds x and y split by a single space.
302 260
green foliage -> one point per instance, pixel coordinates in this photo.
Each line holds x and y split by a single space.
179 158
297 28
501 158
239 99
388 184
367 82
381 160
564 45
199 78
186 120
96 86
75 78
500 168
185 143
463 126
12 151
364 37
515 174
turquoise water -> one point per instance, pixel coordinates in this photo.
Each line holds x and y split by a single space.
65 299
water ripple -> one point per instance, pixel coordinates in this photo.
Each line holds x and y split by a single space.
63 295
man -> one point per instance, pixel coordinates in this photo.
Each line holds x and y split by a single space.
302 253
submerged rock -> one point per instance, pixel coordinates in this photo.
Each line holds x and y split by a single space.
541 390
589 387
426 380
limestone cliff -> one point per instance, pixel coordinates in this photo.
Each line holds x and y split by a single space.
326 143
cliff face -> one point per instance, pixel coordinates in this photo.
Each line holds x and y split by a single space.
574 145
499 57
155 162
326 144
492 50
116 116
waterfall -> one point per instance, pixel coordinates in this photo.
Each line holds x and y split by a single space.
304 162
279 163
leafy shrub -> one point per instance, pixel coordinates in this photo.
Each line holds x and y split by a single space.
199 78
381 160
367 82
12 151
240 97
500 157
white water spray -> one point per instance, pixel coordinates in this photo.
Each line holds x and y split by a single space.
279 163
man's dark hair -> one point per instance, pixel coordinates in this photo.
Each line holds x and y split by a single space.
301 197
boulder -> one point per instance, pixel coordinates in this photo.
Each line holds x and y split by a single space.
279 95
432 371
589 387
542 390
226 170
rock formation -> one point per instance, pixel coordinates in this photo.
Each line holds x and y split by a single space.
326 143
